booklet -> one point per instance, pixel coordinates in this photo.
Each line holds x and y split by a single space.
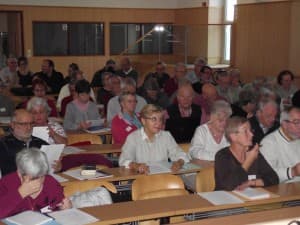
253 193
220 197
29 218
53 153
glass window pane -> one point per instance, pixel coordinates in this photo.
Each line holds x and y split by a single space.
118 38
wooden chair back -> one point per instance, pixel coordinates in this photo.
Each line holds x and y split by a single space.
205 180
157 186
84 137
72 187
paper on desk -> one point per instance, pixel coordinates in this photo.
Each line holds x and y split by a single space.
60 179
72 150
41 132
76 174
159 167
72 216
253 193
28 218
53 153
220 197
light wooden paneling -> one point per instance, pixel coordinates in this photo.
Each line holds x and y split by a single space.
262 38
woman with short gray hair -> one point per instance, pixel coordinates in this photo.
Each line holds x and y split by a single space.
30 188
40 111
209 137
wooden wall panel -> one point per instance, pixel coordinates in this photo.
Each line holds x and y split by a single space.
262 37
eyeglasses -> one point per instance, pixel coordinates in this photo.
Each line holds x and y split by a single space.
295 122
154 119
24 124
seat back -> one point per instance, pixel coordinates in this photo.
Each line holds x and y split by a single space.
157 186
205 180
72 187
84 137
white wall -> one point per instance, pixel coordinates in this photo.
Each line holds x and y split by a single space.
240 2
162 4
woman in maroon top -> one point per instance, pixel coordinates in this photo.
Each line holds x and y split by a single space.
30 188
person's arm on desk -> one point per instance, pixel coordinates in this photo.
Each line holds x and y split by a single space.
139 167
177 165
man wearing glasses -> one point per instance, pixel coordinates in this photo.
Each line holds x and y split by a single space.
19 138
281 148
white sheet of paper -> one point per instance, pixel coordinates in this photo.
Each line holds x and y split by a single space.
76 174
159 167
72 150
41 132
72 216
53 153
60 179
252 193
220 197
29 218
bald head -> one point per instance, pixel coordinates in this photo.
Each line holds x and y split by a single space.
185 95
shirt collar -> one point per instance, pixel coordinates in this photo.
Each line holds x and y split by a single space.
145 137
281 132
128 71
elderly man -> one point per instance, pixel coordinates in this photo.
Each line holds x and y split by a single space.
264 122
127 70
53 78
20 138
113 106
184 117
8 74
281 148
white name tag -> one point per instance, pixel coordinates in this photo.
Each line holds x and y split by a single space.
128 129
251 177
46 209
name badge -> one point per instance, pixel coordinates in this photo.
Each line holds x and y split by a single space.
251 177
46 209
128 129
2 109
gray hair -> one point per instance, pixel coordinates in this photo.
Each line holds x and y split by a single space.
32 162
233 125
128 81
221 106
265 102
37 101
124 94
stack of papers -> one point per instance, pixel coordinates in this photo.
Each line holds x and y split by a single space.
28 218
72 216
220 197
253 193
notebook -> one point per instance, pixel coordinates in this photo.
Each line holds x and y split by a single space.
28 218
253 193
220 197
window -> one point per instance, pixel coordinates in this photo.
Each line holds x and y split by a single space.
64 39
140 39
229 17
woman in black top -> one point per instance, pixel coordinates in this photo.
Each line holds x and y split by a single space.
241 165
24 74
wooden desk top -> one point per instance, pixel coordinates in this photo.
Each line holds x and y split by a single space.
156 208
267 217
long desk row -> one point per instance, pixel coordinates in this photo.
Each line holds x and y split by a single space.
185 205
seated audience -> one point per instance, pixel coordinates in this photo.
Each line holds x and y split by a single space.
65 90
40 110
152 93
110 66
7 106
113 106
30 187
105 92
8 74
264 121
183 117
19 138
286 88
171 85
126 121
39 88
81 109
246 105
66 100
209 138
54 79
73 67
236 84
126 69
241 165
151 144
281 148
24 74
224 88
195 75
205 77
160 74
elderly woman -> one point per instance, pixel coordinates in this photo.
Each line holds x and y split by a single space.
30 188
241 165
40 110
209 138
81 109
151 144
127 120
